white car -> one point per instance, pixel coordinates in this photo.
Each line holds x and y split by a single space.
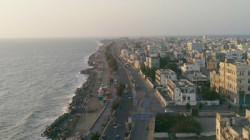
125 91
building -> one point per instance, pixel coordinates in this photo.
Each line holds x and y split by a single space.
200 62
161 76
212 65
137 64
189 68
181 90
197 78
195 46
231 126
154 61
232 81
124 53
234 54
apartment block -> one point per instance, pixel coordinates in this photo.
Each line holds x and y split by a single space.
232 81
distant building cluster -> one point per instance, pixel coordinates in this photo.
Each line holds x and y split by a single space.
221 62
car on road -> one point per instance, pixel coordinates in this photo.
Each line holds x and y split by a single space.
126 85
125 91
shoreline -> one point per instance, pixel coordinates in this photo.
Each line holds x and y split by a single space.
64 124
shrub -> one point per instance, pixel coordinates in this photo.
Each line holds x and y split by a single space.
187 106
199 106
95 136
115 105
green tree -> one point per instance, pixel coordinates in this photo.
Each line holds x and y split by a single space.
187 106
115 105
229 106
199 106
95 136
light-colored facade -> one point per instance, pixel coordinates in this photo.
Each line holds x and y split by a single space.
212 65
234 54
181 90
189 68
161 76
124 53
195 46
231 126
232 81
137 64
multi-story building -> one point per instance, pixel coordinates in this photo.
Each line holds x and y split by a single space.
231 126
154 61
212 65
124 53
189 68
161 76
195 46
232 81
234 54
181 90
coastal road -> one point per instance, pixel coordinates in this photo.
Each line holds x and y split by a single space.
122 113
153 106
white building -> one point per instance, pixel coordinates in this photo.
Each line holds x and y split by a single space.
161 76
234 54
124 53
181 90
189 68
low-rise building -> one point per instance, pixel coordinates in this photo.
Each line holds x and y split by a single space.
197 78
181 90
189 68
162 75
231 126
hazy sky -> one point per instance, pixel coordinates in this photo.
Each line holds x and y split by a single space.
91 18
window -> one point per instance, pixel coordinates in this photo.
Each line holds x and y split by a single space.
248 72
248 80
189 98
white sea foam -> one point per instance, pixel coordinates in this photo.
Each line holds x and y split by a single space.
81 78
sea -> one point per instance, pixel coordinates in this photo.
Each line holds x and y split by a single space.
38 78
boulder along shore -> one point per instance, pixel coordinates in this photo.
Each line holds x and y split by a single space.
64 125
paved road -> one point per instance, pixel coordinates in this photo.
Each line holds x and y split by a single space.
121 114
153 106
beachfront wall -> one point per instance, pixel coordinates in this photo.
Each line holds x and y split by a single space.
160 97
206 103
161 135
151 85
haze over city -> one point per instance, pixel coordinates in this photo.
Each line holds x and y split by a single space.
94 18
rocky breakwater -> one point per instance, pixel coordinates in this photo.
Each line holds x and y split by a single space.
64 125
